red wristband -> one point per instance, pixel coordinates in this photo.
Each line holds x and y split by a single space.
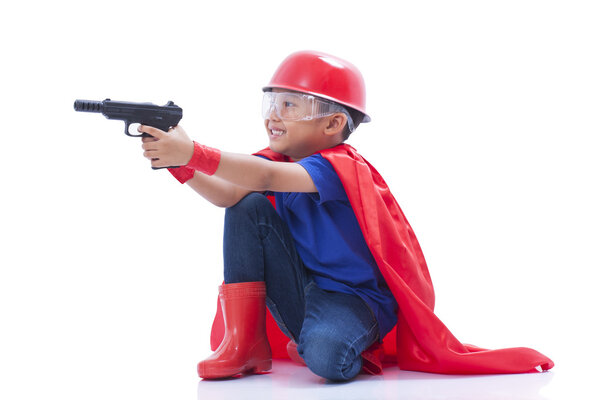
182 174
205 159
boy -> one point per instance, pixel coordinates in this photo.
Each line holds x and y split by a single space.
337 263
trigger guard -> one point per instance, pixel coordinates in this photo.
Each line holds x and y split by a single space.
127 125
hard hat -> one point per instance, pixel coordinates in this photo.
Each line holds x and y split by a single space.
324 76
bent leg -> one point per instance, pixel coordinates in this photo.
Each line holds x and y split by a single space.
258 246
338 327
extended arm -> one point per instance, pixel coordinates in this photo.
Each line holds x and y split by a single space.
236 174
259 175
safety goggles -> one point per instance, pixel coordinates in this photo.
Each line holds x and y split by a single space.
291 106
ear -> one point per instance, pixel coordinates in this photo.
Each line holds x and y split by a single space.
336 124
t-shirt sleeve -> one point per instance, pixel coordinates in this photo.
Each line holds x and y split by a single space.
324 177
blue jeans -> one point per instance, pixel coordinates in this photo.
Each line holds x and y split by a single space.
331 329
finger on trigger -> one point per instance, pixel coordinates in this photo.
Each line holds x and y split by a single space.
156 133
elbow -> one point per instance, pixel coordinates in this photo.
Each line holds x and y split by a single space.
234 198
222 204
227 202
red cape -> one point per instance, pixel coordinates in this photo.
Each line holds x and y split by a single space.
420 341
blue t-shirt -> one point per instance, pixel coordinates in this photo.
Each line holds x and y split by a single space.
331 244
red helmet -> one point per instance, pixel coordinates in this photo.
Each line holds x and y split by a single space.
324 76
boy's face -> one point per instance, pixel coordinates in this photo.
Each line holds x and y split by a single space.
296 139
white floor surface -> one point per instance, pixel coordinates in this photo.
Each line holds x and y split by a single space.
288 380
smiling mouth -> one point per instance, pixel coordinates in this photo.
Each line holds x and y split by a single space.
277 132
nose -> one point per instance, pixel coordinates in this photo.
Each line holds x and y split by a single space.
273 114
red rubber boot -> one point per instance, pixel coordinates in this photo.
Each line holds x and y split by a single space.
245 347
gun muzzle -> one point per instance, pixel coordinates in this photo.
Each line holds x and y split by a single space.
88 106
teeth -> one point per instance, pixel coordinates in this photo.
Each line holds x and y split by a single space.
277 132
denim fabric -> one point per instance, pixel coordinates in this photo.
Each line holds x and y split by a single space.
331 329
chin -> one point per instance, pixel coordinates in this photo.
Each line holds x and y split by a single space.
276 149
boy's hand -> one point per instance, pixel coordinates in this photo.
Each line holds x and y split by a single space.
167 149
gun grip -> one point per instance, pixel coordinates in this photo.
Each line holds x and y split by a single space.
127 125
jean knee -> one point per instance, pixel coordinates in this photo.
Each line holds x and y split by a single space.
329 357
250 203
250 209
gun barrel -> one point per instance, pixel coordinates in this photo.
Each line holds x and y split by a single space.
89 106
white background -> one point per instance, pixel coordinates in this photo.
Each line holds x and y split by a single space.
485 125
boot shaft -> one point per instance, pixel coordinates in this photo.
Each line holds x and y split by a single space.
245 346
244 308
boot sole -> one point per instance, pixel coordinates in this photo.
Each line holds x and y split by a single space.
219 372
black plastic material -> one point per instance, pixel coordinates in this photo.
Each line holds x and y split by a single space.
161 117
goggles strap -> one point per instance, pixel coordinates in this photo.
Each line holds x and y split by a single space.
335 108
350 121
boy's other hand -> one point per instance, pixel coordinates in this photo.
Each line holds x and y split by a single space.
167 149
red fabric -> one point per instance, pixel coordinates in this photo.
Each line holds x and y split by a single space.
420 341
182 174
204 159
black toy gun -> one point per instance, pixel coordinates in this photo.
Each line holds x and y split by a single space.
161 117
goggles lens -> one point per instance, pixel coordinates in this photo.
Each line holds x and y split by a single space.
289 106
297 107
